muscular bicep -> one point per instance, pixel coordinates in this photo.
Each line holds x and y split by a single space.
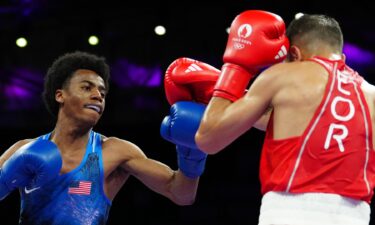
155 175
253 110
224 122
159 177
262 122
152 173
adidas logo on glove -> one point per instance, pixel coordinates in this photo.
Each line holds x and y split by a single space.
193 67
282 52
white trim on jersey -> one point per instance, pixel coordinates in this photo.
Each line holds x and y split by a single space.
368 148
302 149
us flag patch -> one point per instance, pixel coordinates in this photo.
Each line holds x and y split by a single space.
80 188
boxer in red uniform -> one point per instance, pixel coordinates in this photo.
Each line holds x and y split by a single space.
317 164
257 39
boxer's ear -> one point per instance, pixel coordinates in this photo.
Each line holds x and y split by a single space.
59 96
294 54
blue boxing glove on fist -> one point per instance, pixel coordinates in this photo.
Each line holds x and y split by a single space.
191 161
180 128
31 166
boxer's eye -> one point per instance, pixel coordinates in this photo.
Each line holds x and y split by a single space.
86 88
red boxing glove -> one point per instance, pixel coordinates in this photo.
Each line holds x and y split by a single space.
256 39
190 80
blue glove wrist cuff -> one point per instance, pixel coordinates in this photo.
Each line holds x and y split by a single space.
191 161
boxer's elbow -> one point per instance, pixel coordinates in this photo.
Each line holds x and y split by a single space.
207 137
206 143
184 200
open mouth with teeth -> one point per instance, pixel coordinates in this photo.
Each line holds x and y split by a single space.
96 108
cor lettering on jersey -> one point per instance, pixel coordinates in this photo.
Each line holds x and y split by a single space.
338 132
334 154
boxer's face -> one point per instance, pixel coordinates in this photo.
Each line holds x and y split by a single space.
83 97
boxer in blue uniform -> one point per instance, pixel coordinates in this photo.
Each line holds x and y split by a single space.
71 175
77 192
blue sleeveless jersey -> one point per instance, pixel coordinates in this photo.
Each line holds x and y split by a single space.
74 198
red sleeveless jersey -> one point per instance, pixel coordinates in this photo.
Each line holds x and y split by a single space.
334 154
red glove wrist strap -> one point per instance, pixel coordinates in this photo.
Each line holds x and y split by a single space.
232 82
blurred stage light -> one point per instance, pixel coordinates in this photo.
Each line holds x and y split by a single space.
357 56
21 89
126 74
160 30
298 15
21 42
93 40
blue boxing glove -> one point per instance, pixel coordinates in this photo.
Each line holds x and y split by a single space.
31 166
191 161
182 123
180 128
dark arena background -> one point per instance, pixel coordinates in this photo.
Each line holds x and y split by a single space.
229 191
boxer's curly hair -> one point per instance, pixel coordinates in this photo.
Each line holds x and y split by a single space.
308 30
62 69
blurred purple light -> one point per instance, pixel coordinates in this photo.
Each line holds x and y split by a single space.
156 76
29 76
29 6
358 56
21 89
27 1
14 91
126 74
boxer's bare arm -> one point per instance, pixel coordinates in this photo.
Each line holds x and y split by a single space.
154 174
262 122
224 121
369 92
12 149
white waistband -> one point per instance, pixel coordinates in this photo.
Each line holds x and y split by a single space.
311 209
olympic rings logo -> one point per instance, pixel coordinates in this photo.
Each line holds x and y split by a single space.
238 45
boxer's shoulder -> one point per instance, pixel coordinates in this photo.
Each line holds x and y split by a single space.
120 149
21 143
293 72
